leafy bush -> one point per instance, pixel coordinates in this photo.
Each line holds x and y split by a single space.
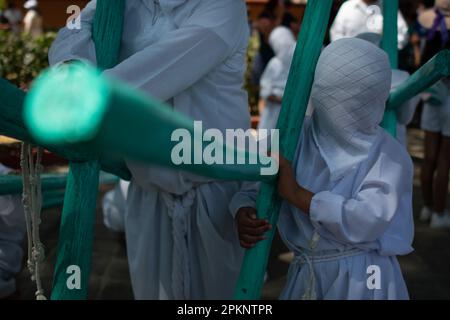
22 58
253 91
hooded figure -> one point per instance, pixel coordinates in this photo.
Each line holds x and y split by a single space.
360 216
356 16
274 78
181 240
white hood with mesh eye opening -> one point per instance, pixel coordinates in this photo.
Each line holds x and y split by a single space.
351 86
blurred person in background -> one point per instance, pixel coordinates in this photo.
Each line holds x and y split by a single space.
435 25
14 15
32 21
358 16
264 25
274 78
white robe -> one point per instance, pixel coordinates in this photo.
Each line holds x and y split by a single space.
275 76
355 17
181 239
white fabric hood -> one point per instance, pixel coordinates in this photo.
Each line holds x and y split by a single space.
283 43
350 90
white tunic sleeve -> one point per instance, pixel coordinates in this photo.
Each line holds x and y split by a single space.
185 55
246 197
338 29
173 64
76 44
365 217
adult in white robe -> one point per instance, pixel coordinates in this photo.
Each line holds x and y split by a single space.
357 16
12 232
360 217
275 76
181 239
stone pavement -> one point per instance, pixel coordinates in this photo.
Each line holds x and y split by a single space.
427 270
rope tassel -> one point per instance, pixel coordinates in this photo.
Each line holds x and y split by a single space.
32 203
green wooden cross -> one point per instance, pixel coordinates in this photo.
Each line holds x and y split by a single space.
78 217
390 45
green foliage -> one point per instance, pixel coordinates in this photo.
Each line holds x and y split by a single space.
22 58
253 91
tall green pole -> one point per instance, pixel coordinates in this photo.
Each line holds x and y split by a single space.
290 122
390 45
78 216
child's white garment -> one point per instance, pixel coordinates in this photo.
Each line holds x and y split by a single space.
275 76
181 239
361 215
12 232
436 115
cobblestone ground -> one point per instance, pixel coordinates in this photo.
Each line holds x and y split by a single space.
426 270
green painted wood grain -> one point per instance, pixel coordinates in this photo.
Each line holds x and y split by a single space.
434 70
12 125
76 233
78 216
390 45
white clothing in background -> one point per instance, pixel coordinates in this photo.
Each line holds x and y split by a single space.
275 76
33 24
355 17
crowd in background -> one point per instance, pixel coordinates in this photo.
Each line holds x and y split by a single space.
12 18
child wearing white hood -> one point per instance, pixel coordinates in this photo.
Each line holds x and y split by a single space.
274 78
347 212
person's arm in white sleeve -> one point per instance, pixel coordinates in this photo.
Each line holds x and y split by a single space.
403 36
185 55
173 64
76 44
367 215
245 198
361 219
